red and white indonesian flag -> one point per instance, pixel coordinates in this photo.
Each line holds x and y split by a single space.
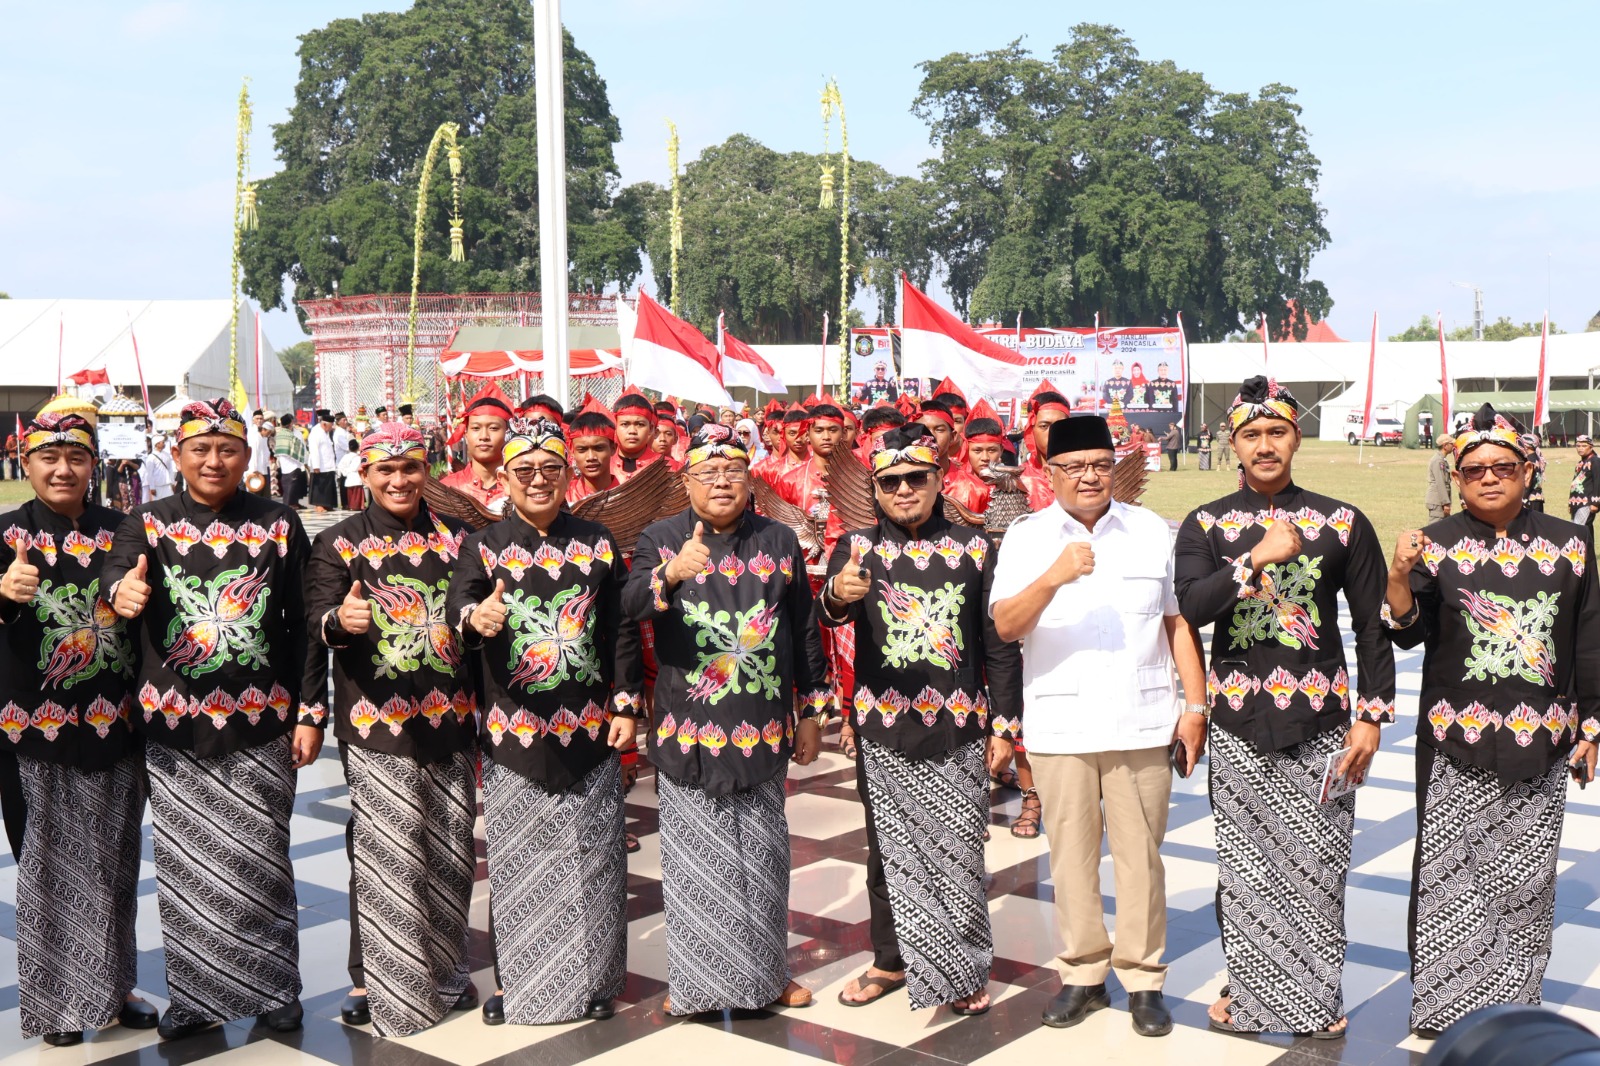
936 344
1541 388
743 365
667 354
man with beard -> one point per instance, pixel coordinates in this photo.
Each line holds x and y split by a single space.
740 659
375 597
933 679
552 726
66 667
1264 566
483 427
218 577
1505 601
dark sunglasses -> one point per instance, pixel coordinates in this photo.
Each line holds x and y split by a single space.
917 480
1502 471
548 471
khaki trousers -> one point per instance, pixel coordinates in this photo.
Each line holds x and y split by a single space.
1134 787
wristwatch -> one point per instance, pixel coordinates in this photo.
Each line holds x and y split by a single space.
1202 709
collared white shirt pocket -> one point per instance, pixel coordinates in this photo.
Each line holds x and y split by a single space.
1155 700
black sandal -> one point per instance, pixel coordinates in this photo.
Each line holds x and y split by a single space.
1030 817
847 743
867 980
1007 778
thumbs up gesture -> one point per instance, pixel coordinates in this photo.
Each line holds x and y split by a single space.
853 582
133 591
355 613
694 557
21 581
489 617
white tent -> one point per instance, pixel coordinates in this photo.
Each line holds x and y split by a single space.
183 347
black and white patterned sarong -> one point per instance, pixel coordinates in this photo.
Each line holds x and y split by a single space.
725 885
224 882
558 873
930 815
1282 861
77 894
414 866
1484 894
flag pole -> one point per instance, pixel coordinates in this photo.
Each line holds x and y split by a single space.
822 368
1266 349
61 344
1366 410
1448 426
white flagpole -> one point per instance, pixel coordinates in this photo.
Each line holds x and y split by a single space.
550 127
822 368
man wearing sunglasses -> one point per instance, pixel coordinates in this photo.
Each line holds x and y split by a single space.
1087 585
537 600
1505 600
739 659
935 690
1264 566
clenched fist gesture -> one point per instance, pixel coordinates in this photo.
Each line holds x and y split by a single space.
853 582
694 558
489 617
1075 560
133 591
355 613
1407 550
21 581
1281 543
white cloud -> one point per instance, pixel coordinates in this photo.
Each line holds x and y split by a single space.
155 19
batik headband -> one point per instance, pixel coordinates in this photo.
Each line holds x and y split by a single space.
715 441
52 428
1261 398
393 440
215 416
1489 427
922 451
536 434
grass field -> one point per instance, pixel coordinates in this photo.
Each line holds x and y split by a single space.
1388 486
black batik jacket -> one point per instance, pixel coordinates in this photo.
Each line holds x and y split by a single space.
1511 670
738 651
399 688
1278 674
931 671
222 640
566 661
66 659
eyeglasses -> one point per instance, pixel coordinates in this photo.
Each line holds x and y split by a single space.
916 481
1075 471
1502 471
729 474
548 471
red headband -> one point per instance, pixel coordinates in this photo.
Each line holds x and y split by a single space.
934 412
1050 405
575 435
985 438
825 420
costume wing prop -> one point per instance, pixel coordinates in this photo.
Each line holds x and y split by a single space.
654 493
775 507
850 490
443 499
1129 477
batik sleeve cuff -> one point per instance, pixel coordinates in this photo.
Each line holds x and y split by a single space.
1405 621
1005 728
627 705
658 587
470 638
1244 577
312 714
1591 729
1374 709
815 702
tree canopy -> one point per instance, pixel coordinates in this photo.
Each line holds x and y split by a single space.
1097 181
371 93
1501 329
757 245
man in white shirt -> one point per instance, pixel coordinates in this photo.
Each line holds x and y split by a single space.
157 471
1102 636
323 462
258 437
342 438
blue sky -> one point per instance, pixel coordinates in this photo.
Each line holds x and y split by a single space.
1458 140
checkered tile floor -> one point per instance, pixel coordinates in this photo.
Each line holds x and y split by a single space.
829 945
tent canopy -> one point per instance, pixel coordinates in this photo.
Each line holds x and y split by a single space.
1508 403
502 351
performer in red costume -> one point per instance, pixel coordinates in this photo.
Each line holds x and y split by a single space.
1045 407
593 443
483 426
635 418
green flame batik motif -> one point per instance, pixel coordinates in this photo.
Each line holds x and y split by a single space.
410 617
552 643
1281 607
82 634
740 649
923 623
217 621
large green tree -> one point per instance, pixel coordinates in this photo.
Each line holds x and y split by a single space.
1096 181
757 245
370 95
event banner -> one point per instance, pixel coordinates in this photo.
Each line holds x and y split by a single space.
1138 367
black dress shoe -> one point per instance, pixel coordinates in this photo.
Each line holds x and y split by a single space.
137 1014
171 1030
600 1010
64 1039
494 1010
1150 1014
466 1000
284 1019
354 1010
1073 1003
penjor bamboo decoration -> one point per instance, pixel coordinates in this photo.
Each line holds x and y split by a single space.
445 134
244 217
675 215
832 107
